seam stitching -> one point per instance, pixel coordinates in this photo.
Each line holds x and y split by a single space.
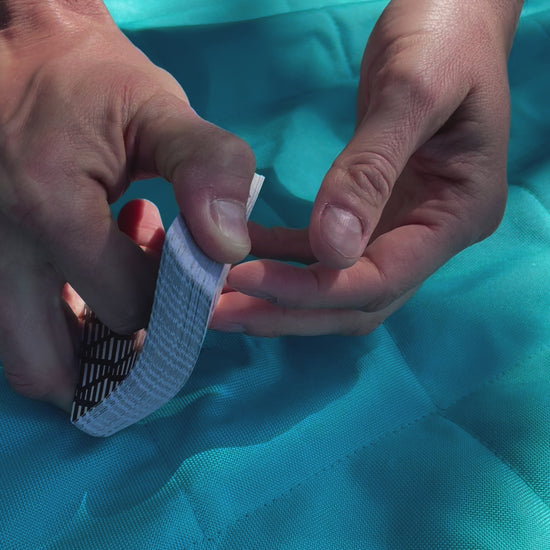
500 458
395 431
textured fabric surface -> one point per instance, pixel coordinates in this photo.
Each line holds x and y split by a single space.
431 433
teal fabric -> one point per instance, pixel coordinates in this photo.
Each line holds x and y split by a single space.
433 432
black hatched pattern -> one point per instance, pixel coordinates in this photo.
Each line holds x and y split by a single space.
106 359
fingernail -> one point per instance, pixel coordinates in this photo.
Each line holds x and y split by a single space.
230 217
342 231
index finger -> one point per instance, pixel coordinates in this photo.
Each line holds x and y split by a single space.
112 274
395 264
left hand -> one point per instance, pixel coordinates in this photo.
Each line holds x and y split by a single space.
423 177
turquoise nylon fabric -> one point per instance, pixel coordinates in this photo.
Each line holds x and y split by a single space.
431 433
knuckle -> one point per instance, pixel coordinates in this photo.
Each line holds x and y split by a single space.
231 148
370 177
181 145
409 84
214 152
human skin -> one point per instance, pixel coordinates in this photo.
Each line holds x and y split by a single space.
422 178
82 114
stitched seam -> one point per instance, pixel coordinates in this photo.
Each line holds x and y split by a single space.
495 378
491 380
532 194
345 51
402 355
500 457
379 438
332 465
188 495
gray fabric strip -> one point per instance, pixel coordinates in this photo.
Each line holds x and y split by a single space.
188 286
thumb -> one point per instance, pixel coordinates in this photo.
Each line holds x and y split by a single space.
210 170
397 121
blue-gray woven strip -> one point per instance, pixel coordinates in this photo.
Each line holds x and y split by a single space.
187 286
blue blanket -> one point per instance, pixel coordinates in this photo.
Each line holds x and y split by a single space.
433 432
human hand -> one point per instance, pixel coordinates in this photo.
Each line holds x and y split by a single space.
423 177
82 114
